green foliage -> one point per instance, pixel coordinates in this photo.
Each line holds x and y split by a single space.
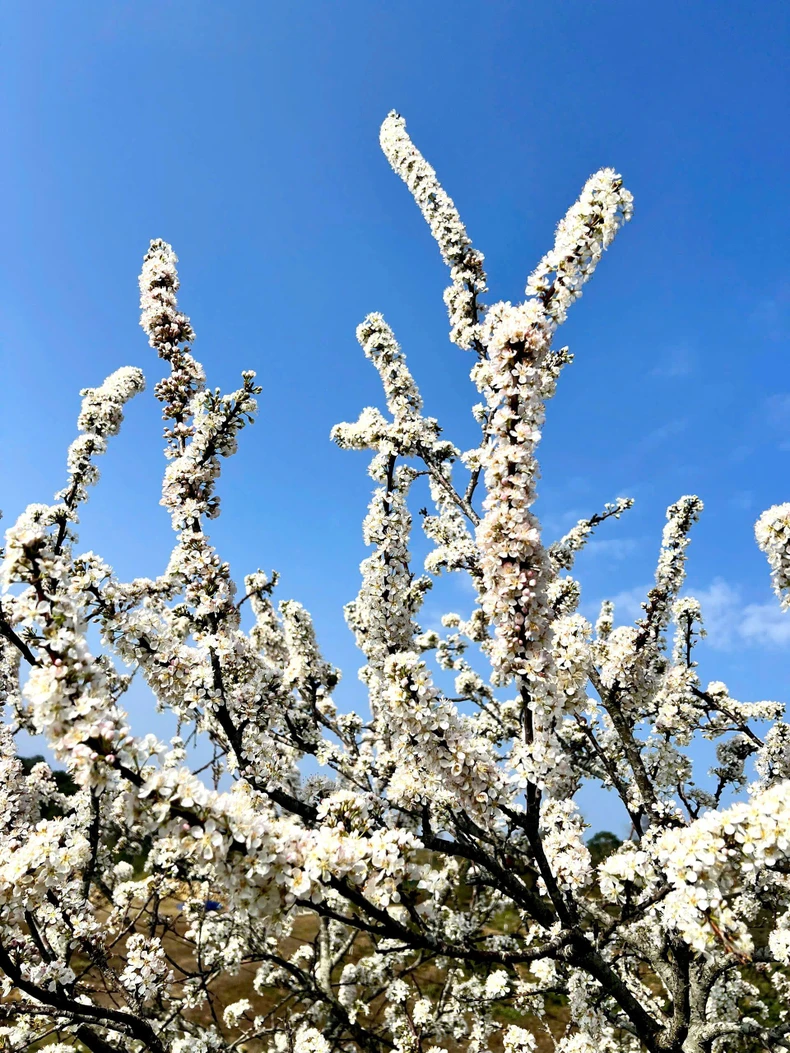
602 845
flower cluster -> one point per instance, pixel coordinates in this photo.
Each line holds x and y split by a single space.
562 841
709 863
146 972
772 531
440 758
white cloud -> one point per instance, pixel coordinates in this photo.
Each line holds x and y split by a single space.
720 613
766 622
729 622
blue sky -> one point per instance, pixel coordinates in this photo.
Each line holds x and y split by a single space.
247 135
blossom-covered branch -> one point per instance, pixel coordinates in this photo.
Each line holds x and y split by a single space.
412 876
464 261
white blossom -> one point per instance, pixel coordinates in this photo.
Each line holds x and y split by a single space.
465 262
286 875
772 531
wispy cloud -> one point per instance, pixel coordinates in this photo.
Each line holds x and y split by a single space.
557 524
656 438
778 409
612 548
767 424
627 604
743 499
777 415
675 362
772 314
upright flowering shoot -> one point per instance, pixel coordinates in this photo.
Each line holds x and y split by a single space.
288 876
516 377
101 418
587 229
464 261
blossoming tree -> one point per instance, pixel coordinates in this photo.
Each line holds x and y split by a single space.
433 891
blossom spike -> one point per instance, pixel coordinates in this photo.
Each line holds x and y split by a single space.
465 262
